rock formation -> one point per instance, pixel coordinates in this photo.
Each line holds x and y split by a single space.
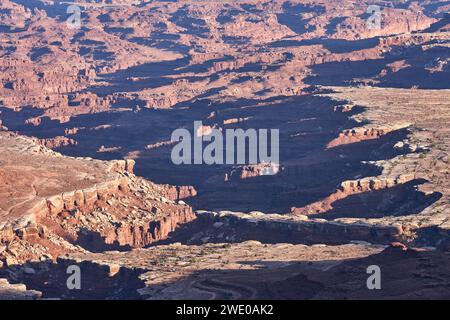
86 118
98 205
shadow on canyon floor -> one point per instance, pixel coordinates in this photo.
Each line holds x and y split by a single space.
333 45
94 242
96 281
416 72
307 124
405 275
400 200
198 231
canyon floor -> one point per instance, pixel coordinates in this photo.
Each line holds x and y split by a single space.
88 107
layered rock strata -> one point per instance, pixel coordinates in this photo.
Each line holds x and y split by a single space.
94 205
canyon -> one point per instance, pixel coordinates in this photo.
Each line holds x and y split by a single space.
86 170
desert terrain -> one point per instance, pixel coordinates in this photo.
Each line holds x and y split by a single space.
91 92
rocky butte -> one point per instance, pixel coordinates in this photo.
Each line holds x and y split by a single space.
87 116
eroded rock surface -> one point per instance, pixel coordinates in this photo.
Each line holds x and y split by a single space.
86 175
53 204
